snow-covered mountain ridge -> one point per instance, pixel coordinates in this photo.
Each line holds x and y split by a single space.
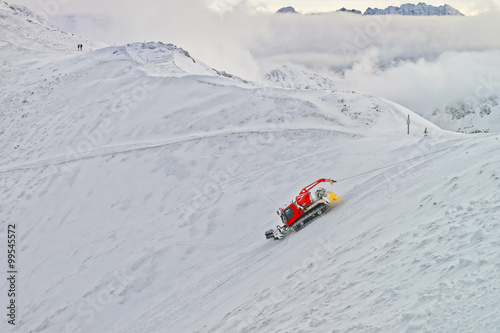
22 11
296 78
24 32
471 116
354 11
160 59
141 182
420 9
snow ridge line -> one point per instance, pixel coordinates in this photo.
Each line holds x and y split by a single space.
127 148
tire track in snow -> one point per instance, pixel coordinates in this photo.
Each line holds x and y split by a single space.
127 148
252 173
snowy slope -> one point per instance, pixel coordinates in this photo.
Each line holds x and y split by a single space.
142 181
289 76
411 249
475 115
24 33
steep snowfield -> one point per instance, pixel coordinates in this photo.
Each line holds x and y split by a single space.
410 250
141 182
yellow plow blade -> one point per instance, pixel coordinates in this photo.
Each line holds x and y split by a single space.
333 197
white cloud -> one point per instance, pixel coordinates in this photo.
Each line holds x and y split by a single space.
419 62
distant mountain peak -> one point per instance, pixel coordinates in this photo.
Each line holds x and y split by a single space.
288 9
343 9
420 9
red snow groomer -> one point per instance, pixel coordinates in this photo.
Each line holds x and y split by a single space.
306 207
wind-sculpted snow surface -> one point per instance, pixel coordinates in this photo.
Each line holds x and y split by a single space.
296 78
141 183
419 257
